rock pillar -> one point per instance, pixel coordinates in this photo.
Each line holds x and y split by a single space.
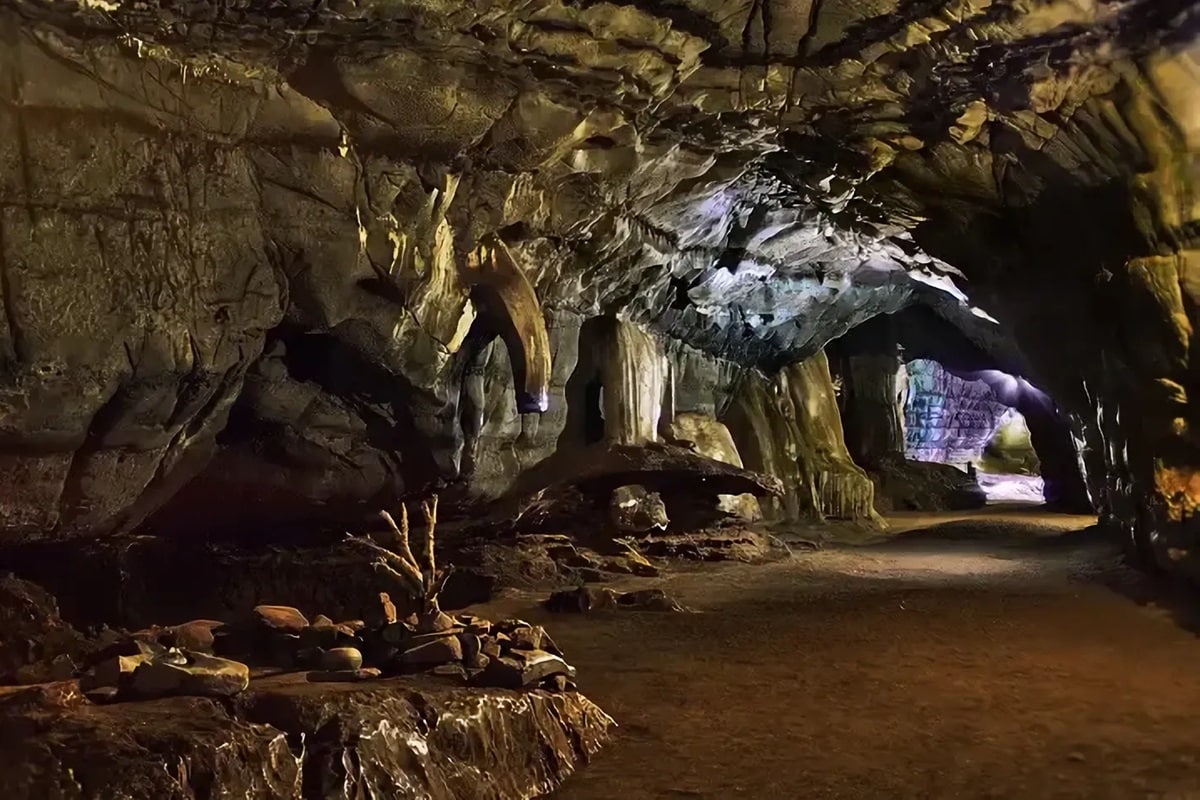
871 412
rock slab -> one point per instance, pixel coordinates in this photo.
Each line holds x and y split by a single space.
288 738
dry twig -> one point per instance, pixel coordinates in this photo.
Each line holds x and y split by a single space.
423 583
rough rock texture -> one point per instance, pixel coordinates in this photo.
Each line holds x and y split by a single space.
712 439
285 738
902 485
789 426
947 419
872 403
1010 450
920 333
281 233
35 642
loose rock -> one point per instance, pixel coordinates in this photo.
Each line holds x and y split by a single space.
196 636
200 674
522 668
581 600
341 659
444 650
281 618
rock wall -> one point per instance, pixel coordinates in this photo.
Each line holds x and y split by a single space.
265 246
789 426
1010 450
947 419
871 405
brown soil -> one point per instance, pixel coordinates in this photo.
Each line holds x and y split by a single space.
1002 655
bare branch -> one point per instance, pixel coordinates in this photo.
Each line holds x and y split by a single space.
396 564
429 509
400 533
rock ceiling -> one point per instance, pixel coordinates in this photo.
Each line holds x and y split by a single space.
746 175
752 178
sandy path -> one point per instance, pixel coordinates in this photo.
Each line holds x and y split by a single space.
983 657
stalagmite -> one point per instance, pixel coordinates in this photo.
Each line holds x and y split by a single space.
789 426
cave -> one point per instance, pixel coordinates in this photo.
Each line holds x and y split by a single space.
494 400
960 420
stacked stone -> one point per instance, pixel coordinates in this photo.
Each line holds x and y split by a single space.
212 658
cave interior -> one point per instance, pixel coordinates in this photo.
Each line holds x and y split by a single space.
326 325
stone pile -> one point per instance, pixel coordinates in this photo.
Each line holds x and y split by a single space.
213 658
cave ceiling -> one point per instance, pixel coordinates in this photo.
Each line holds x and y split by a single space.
753 178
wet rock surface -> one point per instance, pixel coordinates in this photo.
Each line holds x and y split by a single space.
288 738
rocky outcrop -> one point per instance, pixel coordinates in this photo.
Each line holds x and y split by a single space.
710 438
789 426
287 738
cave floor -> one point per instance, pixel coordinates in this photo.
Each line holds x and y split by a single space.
1002 653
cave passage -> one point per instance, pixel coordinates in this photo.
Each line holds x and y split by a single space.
368 367
963 422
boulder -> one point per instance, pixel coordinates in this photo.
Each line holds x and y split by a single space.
194 674
114 672
635 510
282 619
581 600
196 636
341 659
442 650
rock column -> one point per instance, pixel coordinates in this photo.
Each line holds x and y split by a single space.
871 413
634 373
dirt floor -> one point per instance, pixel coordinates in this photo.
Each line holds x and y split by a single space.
1002 654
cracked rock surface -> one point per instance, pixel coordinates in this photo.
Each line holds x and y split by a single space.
285 738
263 250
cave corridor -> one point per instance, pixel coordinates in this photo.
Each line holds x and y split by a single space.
599 399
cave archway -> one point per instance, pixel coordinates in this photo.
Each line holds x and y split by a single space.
585 388
919 333
960 421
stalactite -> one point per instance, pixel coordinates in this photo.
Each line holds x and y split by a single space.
634 371
511 308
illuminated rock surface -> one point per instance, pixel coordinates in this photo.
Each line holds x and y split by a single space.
947 419
284 738
271 257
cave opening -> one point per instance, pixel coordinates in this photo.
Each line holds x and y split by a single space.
945 419
957 419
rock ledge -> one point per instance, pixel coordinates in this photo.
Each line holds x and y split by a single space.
285 738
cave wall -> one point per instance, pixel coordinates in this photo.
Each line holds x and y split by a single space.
788 425
872 406
947 419
272 238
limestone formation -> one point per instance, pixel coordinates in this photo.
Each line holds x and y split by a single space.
947 419
255 255
709 437
790 427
